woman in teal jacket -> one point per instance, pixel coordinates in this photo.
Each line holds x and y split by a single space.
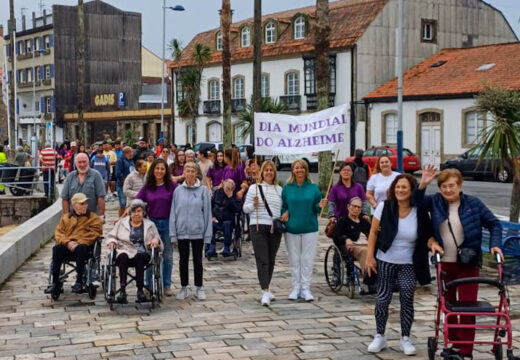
301 205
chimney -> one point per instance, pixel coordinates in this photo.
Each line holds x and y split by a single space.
44 17
34 20
2 31
23 22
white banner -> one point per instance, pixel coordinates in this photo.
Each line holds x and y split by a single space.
277 134
5 94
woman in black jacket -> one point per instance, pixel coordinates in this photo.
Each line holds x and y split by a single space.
398 240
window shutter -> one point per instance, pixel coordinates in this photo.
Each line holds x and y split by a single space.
40 40
32 45
17 76
42 105
53 105
24 46
52 71
24 75
51 40
42 73
17 107
7 53
16 48
9 77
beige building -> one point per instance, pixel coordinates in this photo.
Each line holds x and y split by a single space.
150 63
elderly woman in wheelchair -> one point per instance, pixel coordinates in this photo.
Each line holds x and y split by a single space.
76 237
132 239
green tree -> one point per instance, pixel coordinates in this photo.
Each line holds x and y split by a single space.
322 42
501 138
175 48
268 106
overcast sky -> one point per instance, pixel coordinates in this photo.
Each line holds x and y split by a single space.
200 15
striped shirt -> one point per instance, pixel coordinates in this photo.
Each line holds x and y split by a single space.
273 197
48 157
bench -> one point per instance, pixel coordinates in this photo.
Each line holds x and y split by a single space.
510 248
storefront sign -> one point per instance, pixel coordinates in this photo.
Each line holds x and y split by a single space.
105 100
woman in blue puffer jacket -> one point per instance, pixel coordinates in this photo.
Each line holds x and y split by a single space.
457 221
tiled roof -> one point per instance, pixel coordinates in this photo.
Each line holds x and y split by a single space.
453 73
348 21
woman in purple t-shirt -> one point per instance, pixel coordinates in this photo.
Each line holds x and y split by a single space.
216 172
344 190
177 167
235 171
157 192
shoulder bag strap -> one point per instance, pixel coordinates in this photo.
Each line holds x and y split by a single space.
263 199
452 234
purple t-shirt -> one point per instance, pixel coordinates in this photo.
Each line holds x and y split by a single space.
238 175
340 195
158 201
216 175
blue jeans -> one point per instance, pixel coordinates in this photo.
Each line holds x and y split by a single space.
46 182
227 227
121 197
163 226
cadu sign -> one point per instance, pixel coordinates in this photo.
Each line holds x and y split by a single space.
112 100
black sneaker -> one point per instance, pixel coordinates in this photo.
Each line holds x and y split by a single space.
52 289
121 298
141 297
77 288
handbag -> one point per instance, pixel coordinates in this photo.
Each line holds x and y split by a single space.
466 256
330 229
278 226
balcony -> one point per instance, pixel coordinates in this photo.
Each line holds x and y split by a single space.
312 101
292 102
238 105
211 107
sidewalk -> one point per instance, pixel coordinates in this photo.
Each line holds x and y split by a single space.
230 324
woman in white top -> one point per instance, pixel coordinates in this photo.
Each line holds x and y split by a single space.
380 181
265 241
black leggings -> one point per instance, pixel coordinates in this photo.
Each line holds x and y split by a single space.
197 247
60 254
139 261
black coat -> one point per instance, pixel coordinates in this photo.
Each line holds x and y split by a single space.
388 227
223 207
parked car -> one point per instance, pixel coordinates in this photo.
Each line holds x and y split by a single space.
411 162
469 165
244 150
286 160
208 146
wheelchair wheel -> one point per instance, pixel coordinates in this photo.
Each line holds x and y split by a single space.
92 292
334 267
432 348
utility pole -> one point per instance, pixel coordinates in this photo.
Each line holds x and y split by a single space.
225 23
80 85
12 100
400 87
257 65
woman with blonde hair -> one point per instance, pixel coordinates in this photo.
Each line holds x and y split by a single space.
264 203
301 205
380 181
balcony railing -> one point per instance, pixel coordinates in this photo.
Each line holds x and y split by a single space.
312 101
292 102
238 105
211 107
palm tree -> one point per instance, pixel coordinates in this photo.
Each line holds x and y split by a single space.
268 105
500 140
322 42
175 48
225 24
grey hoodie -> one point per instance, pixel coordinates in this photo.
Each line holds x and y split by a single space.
190 215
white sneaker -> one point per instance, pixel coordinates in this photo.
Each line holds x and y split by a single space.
294 294
183 294
271 296
378 344
266 299
307 295
96 283
201 295
406 346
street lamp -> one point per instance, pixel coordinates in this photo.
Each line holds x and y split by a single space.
174 8
34 140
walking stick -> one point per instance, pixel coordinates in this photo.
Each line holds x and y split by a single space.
256 197
330 181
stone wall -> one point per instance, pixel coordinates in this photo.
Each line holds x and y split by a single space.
16 210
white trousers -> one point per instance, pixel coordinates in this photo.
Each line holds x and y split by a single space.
301 249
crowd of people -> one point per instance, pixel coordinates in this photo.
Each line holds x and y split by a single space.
173 198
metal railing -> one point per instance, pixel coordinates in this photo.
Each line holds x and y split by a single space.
22 180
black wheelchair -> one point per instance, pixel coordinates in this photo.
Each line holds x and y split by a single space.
342 270
236 238
90 277
109 279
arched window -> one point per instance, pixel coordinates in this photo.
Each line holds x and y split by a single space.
214 90
299 28
219 41
390 126
270 33
238 88
245 37
292 83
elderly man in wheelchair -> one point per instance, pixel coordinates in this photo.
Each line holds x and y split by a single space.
76 236
131 242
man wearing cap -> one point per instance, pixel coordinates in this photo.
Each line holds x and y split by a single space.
142 151
87 181
160 147
75 237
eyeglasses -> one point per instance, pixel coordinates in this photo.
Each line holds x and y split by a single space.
448 186
355 206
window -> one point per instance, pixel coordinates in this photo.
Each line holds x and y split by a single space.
332 74
299 28
219 41
29 75
21 76
264 81
292 83
38 73
430 117
37 106
47 41
47 72
310 77
245 37
390 126
189 133
214 90
238 130
428 30
28 46
48 105
180 89
37 43
270 33
238 88
21 48
474 126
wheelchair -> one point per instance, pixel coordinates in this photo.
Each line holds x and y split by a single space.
342 270
109 279
236 238
91 272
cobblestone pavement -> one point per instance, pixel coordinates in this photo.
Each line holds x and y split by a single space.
230 324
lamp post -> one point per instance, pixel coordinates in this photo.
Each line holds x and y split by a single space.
34 140
174 8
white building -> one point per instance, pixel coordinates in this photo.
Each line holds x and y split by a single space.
362 53
440 119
